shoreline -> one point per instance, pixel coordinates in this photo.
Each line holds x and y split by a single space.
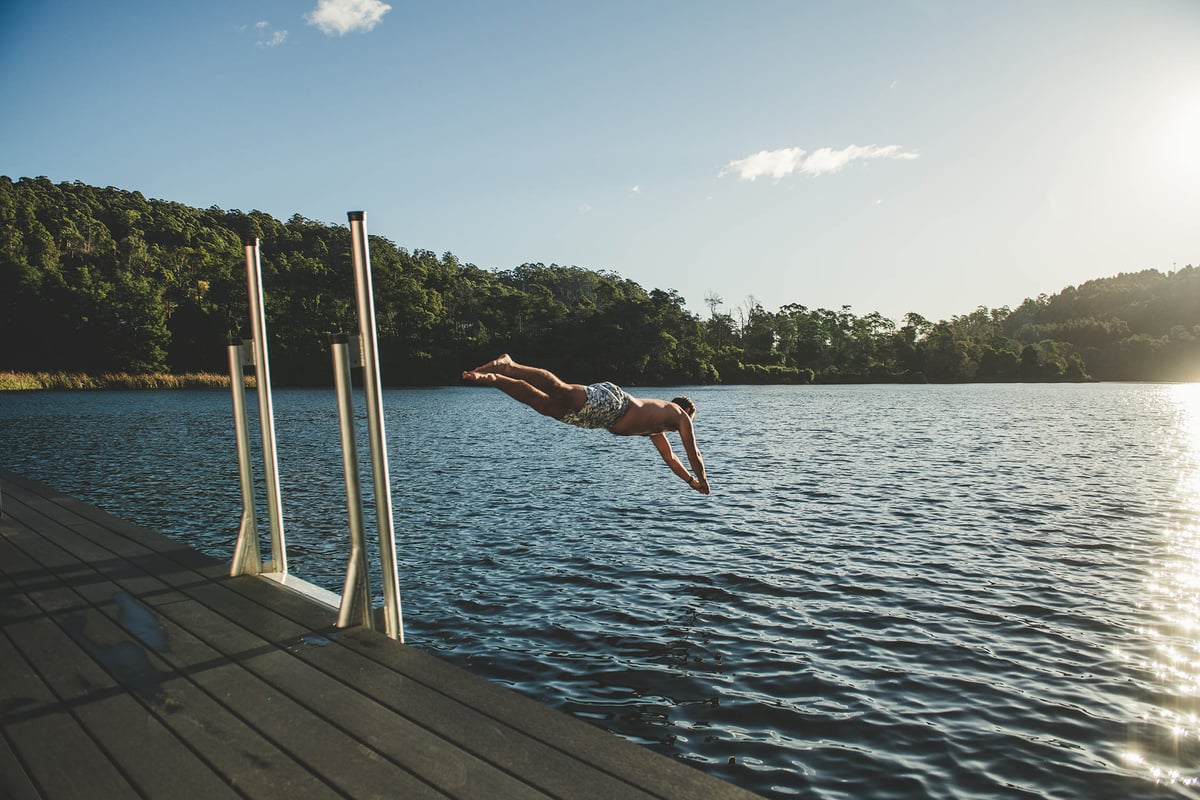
33 381
119 381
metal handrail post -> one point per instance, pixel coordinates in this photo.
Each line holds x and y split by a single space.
356 592
246 557
266 410
364 296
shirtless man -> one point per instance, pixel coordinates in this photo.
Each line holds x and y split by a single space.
600 405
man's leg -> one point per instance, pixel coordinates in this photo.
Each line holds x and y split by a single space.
539 389
522 391
543 379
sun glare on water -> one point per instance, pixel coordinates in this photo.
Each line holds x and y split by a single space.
1175 589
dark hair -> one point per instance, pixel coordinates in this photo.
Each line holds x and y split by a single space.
686 404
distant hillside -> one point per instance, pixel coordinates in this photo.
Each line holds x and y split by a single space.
1130 327
104 280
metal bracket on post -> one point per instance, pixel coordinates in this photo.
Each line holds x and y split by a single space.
372 390
355 608
247 559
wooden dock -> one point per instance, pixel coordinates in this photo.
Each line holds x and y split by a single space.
133 666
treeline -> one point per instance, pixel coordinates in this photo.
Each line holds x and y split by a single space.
105 281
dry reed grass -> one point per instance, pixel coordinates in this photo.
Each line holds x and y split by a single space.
10 381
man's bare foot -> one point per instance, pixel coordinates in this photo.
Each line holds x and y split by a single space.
475 376
500 365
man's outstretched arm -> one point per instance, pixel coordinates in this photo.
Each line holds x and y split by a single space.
687 435
699 483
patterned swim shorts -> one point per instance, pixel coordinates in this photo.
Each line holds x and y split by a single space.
606 403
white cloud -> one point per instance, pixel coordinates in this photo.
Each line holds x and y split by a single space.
266 37
779 163
343 16
775 163
637 189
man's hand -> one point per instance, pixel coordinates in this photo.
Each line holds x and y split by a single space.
668 455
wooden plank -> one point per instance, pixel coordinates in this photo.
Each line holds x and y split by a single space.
151 758
72 511
39 732
243 757
492 738
45 736
15 782
237 640
590 745
443 761
436 760
325 751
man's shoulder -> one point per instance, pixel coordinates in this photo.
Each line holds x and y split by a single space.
661 409
648 416
660 405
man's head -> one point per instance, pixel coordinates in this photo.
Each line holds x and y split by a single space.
686 404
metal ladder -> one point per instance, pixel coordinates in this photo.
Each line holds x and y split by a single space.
354 605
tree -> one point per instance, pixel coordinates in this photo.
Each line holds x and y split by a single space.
106 279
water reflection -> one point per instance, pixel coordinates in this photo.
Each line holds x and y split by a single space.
961 592
1165 739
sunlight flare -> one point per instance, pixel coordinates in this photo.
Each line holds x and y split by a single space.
1179 141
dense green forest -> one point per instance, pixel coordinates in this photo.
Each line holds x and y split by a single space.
104 280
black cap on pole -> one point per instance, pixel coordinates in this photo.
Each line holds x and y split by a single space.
356 216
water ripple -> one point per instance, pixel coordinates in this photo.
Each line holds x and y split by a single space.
979 591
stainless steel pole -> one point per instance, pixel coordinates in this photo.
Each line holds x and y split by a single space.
266 410
356 592
246 557
364 295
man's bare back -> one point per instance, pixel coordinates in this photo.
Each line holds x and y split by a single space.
600 405
644 417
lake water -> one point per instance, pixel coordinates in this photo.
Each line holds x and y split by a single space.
893 591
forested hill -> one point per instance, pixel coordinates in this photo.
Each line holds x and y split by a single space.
104 280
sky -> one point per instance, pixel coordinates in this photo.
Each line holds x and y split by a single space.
926 156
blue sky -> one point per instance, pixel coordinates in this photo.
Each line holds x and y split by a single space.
912 155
